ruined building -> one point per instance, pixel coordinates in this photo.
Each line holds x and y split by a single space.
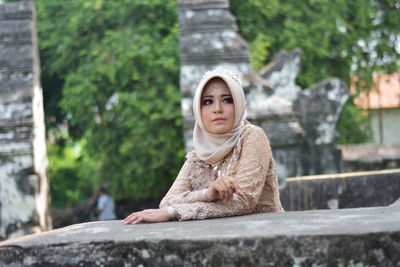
299 123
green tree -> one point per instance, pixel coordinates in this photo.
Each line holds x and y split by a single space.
73 174
111 70
338 38
117 63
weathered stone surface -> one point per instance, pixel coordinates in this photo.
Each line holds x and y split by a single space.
368 157
208 34
321 105
360 237
339 191
23 158
282 72
203 4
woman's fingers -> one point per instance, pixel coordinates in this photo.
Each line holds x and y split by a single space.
130 218
224 188
236 186
229 190
232 187
139 220
135 218
149 215
220 189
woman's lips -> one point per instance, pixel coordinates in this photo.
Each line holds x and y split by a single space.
218 120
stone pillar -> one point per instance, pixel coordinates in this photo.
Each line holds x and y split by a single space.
319 107
208 38
24 187
274 111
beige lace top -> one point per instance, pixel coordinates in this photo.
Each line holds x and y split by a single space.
250 163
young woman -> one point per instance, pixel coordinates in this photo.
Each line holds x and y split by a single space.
231 170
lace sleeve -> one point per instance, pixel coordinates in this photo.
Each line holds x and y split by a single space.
181 191
251 172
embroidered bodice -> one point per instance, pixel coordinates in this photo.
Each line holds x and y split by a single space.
250 163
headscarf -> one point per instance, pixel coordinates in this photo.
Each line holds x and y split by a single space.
210 147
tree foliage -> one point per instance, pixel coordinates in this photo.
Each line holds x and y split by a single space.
110 70
339 38
73 174
117 63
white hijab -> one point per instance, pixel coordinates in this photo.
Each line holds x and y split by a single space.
209 147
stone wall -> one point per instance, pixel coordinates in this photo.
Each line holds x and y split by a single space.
299 123
347 237
341 191
368 157
23 159
331 237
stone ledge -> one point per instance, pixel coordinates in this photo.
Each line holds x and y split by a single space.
341 190
370 236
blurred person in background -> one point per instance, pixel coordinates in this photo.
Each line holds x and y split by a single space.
105 205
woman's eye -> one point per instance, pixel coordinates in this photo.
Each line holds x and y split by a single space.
207 102
228 100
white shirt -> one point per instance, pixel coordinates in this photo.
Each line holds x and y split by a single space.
105 204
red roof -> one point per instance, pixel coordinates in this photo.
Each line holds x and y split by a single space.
386 96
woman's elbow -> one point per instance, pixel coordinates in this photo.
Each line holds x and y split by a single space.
247 204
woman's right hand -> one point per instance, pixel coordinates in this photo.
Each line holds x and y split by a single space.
223 189
149 215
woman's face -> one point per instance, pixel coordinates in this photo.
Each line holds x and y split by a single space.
217 107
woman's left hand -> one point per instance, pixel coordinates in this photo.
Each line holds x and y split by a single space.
150 215
223 189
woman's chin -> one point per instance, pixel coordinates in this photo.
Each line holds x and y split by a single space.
219 130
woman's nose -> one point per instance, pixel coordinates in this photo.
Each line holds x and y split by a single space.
217 107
